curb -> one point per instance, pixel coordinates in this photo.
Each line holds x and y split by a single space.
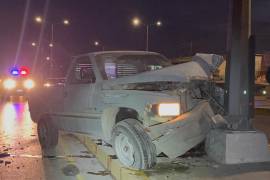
108 159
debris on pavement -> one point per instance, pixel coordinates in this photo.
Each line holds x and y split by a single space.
7 162
3 155
101 173
85 152
70 156
83 156
70 170
49 156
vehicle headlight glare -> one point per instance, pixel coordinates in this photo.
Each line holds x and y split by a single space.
169 109
47 84
9 84
29 84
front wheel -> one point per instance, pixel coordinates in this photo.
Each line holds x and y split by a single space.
132 145
47 133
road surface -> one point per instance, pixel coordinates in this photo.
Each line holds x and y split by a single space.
22 158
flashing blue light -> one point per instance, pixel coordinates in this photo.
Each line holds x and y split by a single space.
15 72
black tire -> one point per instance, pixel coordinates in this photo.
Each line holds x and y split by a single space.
47 134
144 151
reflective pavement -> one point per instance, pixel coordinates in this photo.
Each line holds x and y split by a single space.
22 158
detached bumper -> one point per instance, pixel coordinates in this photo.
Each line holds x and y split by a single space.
176 137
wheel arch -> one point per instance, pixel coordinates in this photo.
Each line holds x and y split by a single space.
38 109
113 115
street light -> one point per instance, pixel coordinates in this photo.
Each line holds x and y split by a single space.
66 22
33 44
38 19
137 22
159 23
97 43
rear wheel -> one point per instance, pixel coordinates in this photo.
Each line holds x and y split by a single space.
47 133
132 145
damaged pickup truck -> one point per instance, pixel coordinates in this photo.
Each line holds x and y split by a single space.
136 101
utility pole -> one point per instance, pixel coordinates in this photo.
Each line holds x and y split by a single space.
191 48
236 144
52 45
240 77
147 37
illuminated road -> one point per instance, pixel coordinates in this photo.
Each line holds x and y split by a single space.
21 156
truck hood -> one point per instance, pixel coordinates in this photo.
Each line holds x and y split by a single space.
201 67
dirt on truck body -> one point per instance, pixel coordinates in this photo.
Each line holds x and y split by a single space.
136 101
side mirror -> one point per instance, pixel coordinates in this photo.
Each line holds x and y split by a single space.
267 76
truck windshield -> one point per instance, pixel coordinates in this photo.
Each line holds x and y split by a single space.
113 67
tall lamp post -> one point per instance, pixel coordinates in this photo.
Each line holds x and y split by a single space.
137 22
65 22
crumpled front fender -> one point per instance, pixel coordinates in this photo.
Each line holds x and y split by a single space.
176 137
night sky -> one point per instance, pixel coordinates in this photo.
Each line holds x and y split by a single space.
202 22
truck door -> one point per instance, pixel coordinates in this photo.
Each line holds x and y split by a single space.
78 115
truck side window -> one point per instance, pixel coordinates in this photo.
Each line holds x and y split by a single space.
82 72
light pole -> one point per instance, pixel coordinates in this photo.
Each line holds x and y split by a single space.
65 22
137 22
52 40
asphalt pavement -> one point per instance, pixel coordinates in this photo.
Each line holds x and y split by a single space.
21 156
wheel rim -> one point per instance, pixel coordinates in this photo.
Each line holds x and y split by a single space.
124 150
